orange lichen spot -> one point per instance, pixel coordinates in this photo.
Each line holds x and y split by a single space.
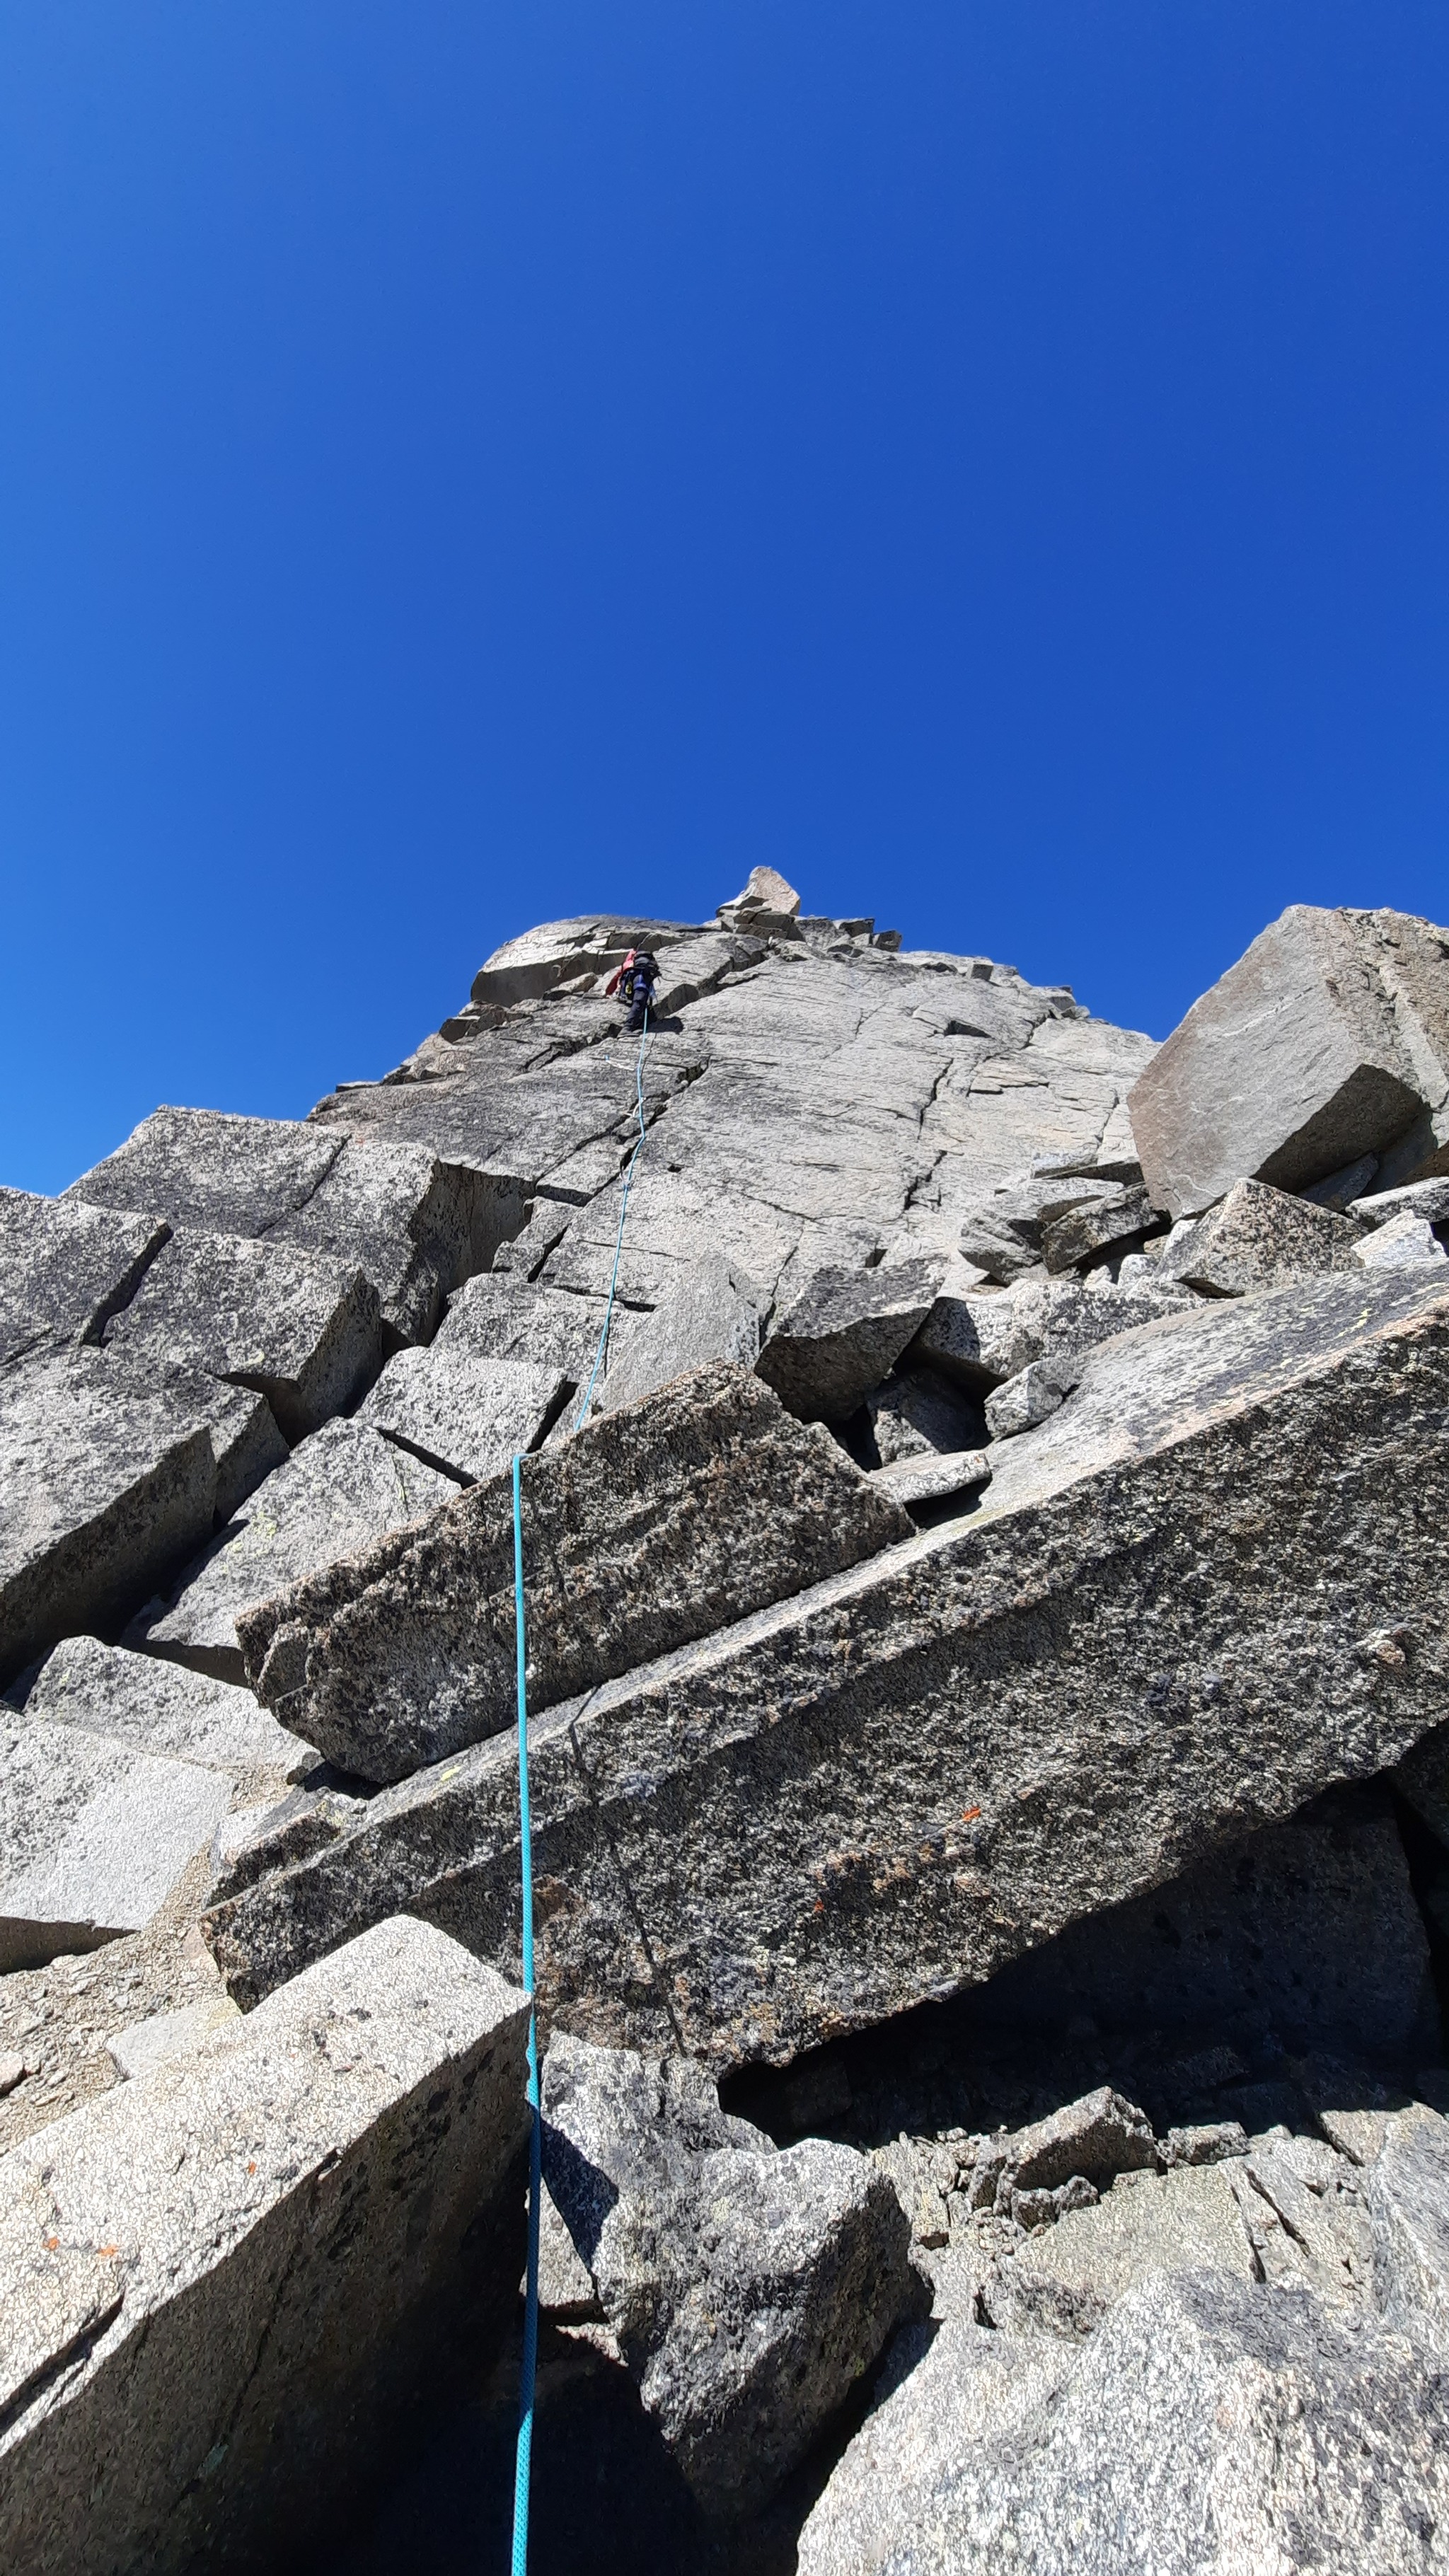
969 1815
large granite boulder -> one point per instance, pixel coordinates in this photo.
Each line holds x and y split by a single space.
884 1788
843 1334
1327 1041
238 2284
160 1708
94 1834
654 1526
748 2288
1209 2422
66 1269
302 1330
337 1493
465 1415
1259 1238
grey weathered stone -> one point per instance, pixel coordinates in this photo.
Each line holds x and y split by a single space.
414 1225
748 2286
1405 1243
887 1788
253 1840
162 1708
917 1414
1428 1199
105 1489
65 1269
981 1340
1209 2422
929 1476
1203 2142
206 1168
337 1492
712 1314
464 1415
1407 2190
765 890
1259 1238
302 1330
94 1835
1304 2229
1031 1396
1084 1232
144 2045
844 1334
1185 2220
502 1317
1328 1040
1341 1189
234 2284
653 1526
1101 2135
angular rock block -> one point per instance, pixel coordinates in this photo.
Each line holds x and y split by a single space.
93 1836
1327 1041
653 1526
161 1708
337 1493
466 1416
885 1789
1005 1234
982 1340
206 1169
843 1334
713 1314
499 1316
300 1329
65 1269
748 2288
932 1475
235 2286
1084 1233
1405 1243
1259 1238
1208 2421
105 1490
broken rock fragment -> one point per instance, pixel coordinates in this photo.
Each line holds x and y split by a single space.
466 1416
160 1708
653 1526
1259 1238
843 1334
748 2286
339 1490
93 1836
239 2282
1405 1243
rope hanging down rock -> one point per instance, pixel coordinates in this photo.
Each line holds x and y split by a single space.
523 2459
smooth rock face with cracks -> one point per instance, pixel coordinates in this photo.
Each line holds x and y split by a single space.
887 1788
243 2277
1208 2423
1328 1040
340 1490
655 1525
748 2288
302 1330
466 1416
65 1269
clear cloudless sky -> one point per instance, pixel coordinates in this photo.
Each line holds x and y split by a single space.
463 464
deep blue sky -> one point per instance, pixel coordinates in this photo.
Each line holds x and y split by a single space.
462 464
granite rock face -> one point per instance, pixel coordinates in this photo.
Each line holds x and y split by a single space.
236 2279
655 1525
65 1269
1258 1238
1327 1041
886 1788
466 1416
843 1334
302 1330
337 1492
981 1340
748 2288
1208 2422
93 1833
161 1708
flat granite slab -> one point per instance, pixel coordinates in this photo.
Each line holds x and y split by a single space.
1186 1605
303 1330
65 1268
94 1835
162 1708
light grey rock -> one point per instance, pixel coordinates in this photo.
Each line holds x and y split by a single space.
1208 2423
502 1317
104 1489
414 1225
891 1786
252 1840
843 1334
205 1168
1303 2226
712 1314
94 1836
148 2044
1185 2220
982 1341
1428 1199
917 1414
1118 1217
1259 1238
1405 1243
65 1269
1003 1235
1327 1041
466 1416
300 1329
1031 1396
765 890
1407 2191
748 2286
932 1475
653 1526
1101 2135
161 1708
235 2284
561 953
337 1492
1203 2142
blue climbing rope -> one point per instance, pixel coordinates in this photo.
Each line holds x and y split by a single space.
524 2456
523 2459
582 1413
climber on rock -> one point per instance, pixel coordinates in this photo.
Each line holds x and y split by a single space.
634 984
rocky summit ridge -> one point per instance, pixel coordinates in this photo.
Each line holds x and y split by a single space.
985 1502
